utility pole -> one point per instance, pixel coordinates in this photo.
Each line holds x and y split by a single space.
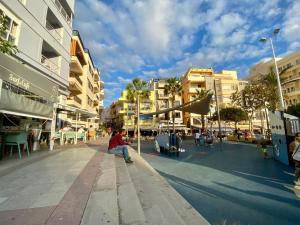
218 110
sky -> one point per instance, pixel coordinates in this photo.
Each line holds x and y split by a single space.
163 38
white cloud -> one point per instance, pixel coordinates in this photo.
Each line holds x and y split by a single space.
291 26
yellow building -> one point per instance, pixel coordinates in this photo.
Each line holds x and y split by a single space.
123 112
85 86
203 78
290 79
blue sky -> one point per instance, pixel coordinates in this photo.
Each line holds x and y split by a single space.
163 38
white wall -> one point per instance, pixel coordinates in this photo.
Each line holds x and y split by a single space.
33 32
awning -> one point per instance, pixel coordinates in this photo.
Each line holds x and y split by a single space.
17 104
25 115
74 110
196 106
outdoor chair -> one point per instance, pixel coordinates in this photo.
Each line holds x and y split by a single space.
16 140
69 136
81 135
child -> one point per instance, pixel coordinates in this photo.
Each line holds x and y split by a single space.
264 148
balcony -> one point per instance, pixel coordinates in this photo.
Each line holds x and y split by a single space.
74 101
161 85
96 88
75 65
60 8
75 84
96 77
96 102
54 32
162 96
196 78
290 79
50 63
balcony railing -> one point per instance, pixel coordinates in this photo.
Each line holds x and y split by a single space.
63 11
53 31
49 64
294 77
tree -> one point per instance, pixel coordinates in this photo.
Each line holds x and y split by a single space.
202 94
134 89
5 46
173 88
233 114
249 99
294 110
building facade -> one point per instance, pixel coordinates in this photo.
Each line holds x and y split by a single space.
123 110
290 78
85 86
36 78
194 79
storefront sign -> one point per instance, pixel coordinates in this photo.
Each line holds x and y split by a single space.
27 78
19 81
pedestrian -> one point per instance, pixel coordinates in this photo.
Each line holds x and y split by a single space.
197 137
118 146
263 144
239 134
294 148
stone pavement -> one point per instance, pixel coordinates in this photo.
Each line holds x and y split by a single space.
85 185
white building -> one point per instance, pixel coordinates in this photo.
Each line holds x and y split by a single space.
37 76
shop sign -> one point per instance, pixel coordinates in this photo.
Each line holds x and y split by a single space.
19 81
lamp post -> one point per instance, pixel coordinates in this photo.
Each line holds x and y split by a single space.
138 125
265 39
218 110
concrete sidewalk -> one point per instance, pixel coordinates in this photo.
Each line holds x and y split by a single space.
86 185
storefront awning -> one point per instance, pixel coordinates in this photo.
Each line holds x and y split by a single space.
74 110
17 104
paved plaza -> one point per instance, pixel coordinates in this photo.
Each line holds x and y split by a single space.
233 184
84 185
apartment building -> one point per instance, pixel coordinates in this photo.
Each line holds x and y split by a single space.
162 102
85 86
290 78
123 110
35 79
194 79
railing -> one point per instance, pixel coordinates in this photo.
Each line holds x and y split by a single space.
53 31
63 11
49 64
163 96
290 78
78 79
75 98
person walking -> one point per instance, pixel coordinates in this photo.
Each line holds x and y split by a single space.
294 148
118 146
197 138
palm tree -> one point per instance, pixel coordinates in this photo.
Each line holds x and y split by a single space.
134 89
173 88
202 94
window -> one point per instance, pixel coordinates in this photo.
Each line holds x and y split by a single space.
11 29
177 114
297 61
90 69
288 90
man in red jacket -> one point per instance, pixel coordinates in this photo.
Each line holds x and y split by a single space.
118 146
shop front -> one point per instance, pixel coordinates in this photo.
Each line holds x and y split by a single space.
27 98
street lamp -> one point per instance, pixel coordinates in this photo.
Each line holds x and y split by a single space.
218 110
265 39
138 124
